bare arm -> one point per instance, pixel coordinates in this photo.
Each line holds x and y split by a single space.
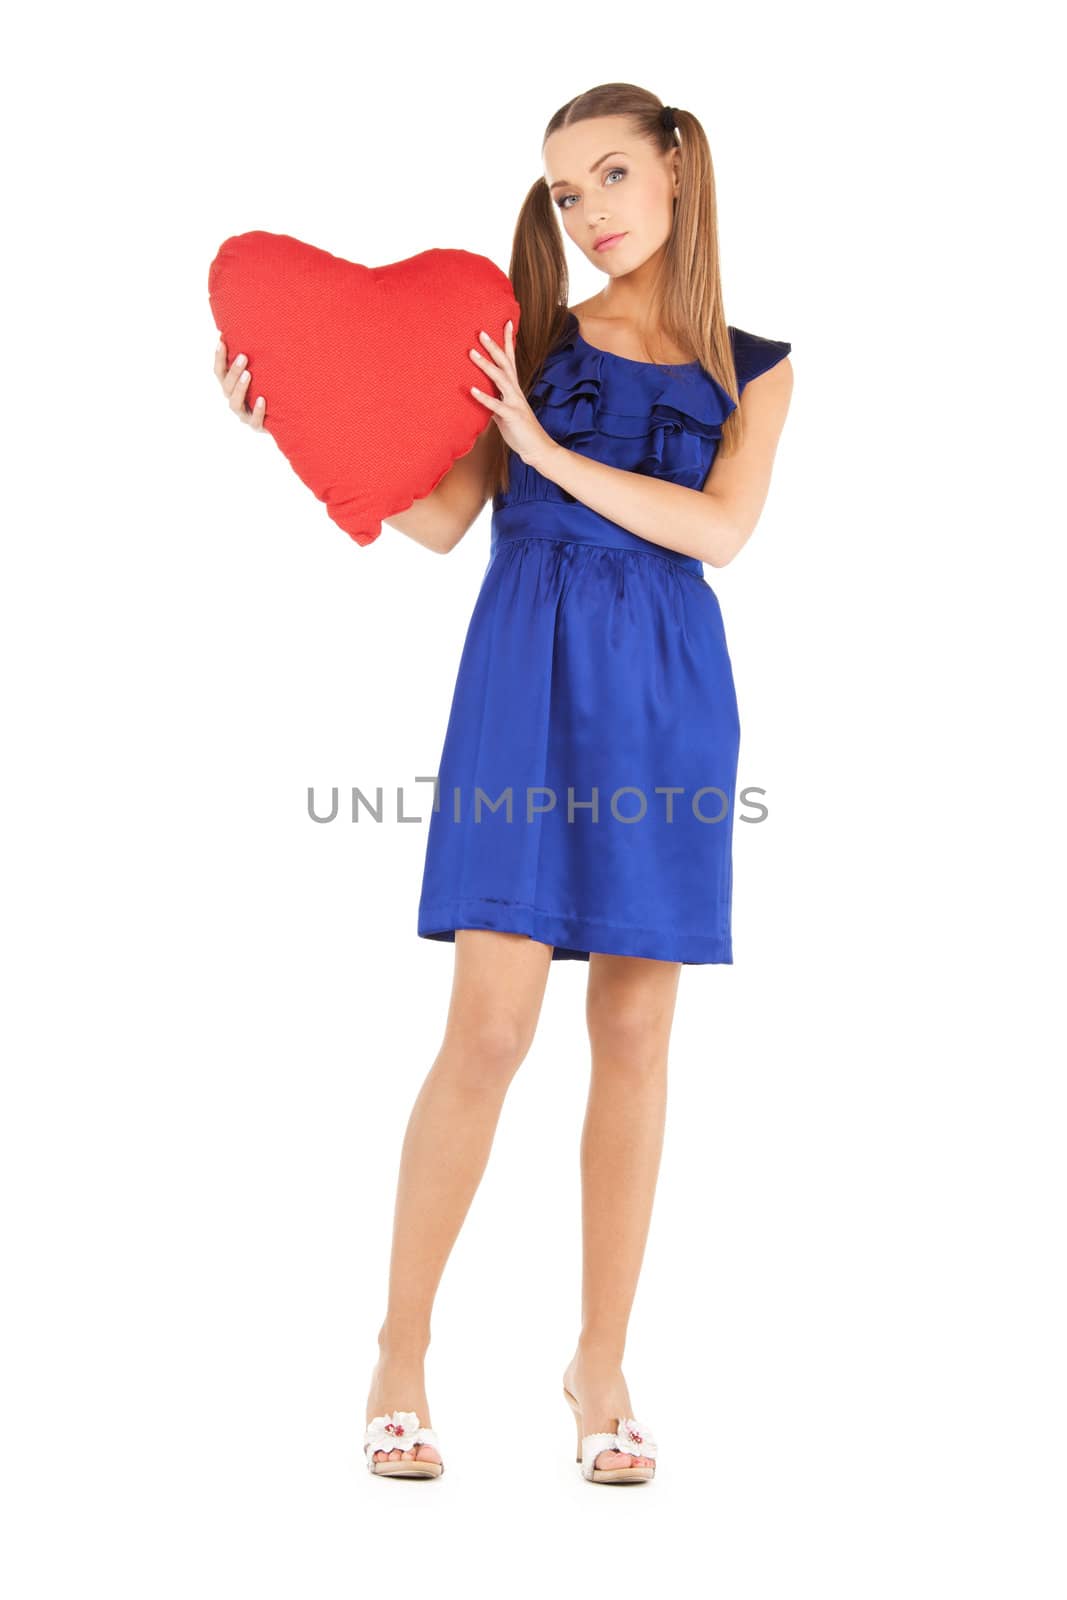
440 519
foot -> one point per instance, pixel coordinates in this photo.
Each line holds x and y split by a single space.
398 1385
600 1390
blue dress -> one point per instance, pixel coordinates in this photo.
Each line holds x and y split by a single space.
586 786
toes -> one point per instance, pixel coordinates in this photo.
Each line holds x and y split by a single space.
619 1458
420 1452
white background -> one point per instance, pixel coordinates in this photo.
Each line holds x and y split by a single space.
849 1330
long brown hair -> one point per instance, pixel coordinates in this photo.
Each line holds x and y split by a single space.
687 292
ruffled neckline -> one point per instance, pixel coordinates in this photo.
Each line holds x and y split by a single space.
625 397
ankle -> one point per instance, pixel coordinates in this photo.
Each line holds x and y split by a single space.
594 1350
402 1346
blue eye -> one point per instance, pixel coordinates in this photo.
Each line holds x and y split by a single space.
560 202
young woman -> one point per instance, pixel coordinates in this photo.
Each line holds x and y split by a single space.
587 781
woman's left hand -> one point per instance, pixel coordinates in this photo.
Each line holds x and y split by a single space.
516 421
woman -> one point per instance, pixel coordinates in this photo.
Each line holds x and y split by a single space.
586 785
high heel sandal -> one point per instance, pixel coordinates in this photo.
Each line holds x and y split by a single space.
630 1437
400 1430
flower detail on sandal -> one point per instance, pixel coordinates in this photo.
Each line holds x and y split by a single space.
398 1430
634 1439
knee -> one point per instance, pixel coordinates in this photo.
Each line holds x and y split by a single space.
628 1036
484 1053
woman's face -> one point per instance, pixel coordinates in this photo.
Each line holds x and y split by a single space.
607 180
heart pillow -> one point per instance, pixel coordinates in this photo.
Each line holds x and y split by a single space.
365 369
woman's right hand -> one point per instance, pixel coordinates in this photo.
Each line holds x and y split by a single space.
235 385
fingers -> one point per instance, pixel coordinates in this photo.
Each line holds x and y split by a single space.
229 377
501 368
236 382
494 349
484 364
504 356
491 400
500 371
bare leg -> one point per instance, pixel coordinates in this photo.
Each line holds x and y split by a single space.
630 1010
497 991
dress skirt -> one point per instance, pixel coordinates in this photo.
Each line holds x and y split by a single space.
586 787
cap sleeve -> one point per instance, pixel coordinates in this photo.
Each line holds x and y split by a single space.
754 354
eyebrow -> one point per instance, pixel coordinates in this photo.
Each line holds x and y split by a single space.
563 183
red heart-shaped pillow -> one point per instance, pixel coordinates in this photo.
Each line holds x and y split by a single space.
366 369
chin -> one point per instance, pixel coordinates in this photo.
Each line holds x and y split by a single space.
607 264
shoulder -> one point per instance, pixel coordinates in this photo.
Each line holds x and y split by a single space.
754 354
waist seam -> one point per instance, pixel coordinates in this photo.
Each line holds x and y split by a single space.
681 562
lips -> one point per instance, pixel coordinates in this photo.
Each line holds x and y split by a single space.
608 240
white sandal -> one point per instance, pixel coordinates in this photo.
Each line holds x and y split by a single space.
629 1437
400 1431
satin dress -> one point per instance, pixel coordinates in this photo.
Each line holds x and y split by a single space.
586 788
